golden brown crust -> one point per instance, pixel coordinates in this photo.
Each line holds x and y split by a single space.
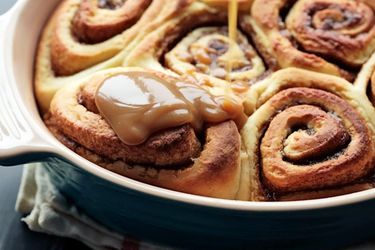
192 15
71 54
172 158
84 125
331 150
342 30
215 173
310 134
94 23
167 148
62 58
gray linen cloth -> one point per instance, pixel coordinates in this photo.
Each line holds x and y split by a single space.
49 212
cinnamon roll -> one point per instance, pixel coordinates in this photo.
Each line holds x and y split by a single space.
178 158
311 136
329 36
83 33
188 44
365 80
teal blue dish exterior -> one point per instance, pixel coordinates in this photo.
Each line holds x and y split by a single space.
187 225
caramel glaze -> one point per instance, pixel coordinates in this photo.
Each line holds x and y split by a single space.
75 114
243 5
138 104
176 158
166 149
159 46
214 57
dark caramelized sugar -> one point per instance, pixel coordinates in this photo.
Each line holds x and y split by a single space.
218 46
110 4
347 19
339 149
324 157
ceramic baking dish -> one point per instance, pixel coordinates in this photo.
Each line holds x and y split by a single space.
145 211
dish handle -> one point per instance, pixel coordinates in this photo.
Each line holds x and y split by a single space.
19 140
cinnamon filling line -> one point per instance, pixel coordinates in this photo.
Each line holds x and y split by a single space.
97 22
306 147
110 4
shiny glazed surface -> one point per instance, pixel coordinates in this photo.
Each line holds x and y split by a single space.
138 104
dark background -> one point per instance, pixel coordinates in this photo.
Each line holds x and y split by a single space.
14 235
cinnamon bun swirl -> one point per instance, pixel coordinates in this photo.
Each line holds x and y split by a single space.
311 135
176 158
188 44
329 36
82 34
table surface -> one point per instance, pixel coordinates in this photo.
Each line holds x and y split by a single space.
5 5
13 233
